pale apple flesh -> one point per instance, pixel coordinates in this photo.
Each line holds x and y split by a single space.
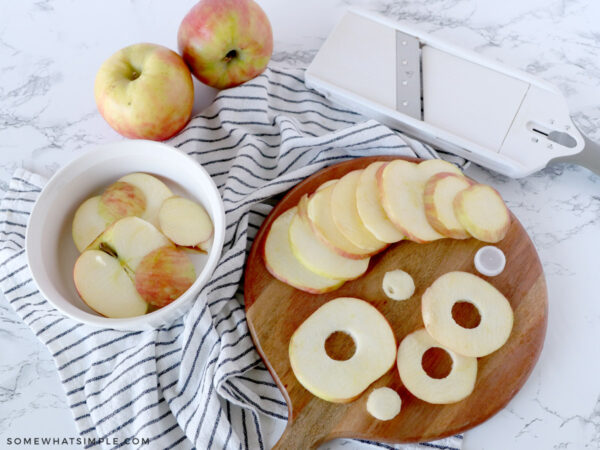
369 207
345 213
326 184
342 381
104 285
315 255
384 403
163 275
155 191
495 311
440 192
185 222
88 224
481 210
120 200
283 265
145 91
457 385
321 220
398 285
225 42
130 239
401 186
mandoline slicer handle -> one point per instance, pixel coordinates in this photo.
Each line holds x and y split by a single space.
589 157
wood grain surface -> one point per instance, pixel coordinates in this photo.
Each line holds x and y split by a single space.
274 311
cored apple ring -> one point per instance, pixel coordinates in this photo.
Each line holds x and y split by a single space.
342 381
496 314
458 384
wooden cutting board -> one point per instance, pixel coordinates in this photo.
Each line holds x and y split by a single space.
274 311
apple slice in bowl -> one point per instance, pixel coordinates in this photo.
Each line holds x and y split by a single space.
185 222
131 256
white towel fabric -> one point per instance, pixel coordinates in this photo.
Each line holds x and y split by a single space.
199 381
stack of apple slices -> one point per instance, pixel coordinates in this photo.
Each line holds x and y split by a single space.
132 240
332 233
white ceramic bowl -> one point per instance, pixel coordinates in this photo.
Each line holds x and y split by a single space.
51 253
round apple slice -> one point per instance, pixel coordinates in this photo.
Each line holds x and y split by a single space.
457 385
163 275
185 222
121 199
401 186
88 224
129 240
155 191
496 315
321 221
326 184
345 213
336 380
369 207
481 210
440 192
315 255
283 265
104 286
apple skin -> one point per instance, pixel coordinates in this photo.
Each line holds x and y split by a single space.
121 199
491 236
145 91
225 42
163 275
431 210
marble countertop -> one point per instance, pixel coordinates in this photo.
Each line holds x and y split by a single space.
49 54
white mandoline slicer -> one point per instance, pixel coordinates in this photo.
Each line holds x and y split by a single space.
451 98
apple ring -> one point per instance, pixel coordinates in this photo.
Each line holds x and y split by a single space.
496 314
457 385
342 381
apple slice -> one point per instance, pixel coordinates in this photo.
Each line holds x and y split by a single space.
185 222
315 255
88 224
345 213
104 286
120 200
129 240
401 186
155 191
163 275
283 265
481 210
438 197
369 207
321 221
335 380
494 310
326 184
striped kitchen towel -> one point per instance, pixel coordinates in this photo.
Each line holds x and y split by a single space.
199 381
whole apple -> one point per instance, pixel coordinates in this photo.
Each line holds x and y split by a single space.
226 42
145 91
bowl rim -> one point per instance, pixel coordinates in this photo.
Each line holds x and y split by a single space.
152 319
